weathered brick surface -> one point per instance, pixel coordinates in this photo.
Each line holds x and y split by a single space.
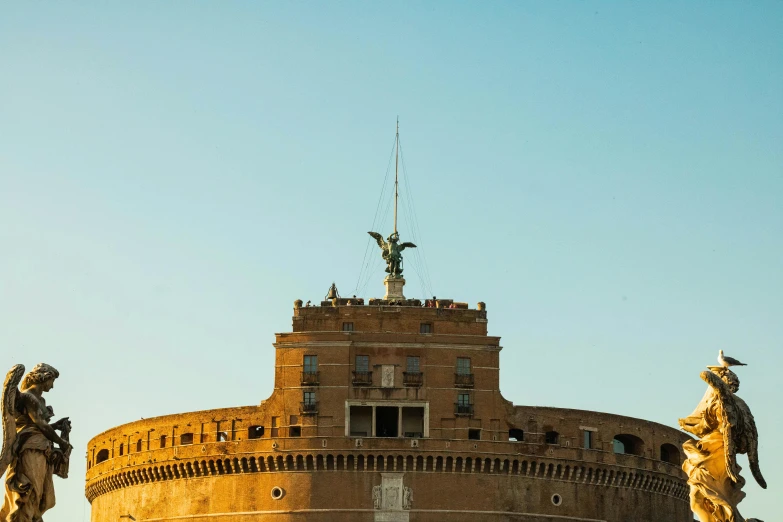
326 475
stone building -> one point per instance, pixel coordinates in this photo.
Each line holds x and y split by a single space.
388 411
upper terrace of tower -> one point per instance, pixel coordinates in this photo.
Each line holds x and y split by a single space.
408 316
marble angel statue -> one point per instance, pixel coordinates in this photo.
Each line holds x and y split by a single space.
724 427
29 458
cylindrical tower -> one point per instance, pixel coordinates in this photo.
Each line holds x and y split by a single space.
388 412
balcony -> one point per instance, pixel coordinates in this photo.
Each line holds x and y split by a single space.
362 378
463 409
309 408
463 380
412 378
310 378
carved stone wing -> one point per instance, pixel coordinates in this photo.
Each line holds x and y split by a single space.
8 401
751 442
405 245
731 421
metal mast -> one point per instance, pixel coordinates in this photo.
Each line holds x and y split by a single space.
396 169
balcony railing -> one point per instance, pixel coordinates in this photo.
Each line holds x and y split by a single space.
412 378
362 378
463 380
310 378
463 409
309 408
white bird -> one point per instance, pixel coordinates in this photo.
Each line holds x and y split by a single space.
728 361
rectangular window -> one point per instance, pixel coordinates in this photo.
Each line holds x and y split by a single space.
295 431
463 399
425 328
347 327
412 365
588 439
255 432
463 366
162 441
308 398
275 422
474 434
310 363
222 436
362 363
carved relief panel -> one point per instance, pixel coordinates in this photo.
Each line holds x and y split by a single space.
387 376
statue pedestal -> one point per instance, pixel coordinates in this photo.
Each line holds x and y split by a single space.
394 287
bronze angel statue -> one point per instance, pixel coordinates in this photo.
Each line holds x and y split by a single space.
391 249
725 427
29 457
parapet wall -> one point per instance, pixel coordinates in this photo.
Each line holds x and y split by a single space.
397 319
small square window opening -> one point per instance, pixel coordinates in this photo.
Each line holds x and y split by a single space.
463 366
362 363
310 363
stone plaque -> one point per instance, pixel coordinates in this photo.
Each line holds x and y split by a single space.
392 499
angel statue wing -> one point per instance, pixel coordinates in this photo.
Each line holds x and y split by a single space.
739 429
381 243
405 245
8 400
751 442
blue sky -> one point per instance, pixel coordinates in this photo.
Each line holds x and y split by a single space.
607 177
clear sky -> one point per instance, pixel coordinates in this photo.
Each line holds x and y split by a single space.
607 177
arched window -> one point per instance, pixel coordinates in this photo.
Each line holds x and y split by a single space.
186 438
628 444
516 435
552 437
102 456
670 454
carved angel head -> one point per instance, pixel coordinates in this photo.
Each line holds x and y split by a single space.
41 374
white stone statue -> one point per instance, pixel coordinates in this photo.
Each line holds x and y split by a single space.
407 498
725 427
376 497
29 457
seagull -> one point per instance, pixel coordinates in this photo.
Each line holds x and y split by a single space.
728 361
